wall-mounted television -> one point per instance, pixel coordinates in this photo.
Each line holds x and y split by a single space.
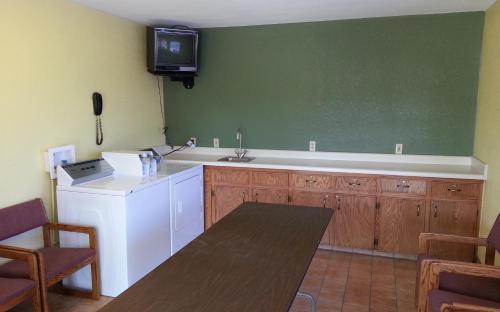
172 51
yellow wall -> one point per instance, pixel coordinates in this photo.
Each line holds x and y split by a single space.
53 55
487 140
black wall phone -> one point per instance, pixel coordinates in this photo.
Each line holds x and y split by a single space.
97 100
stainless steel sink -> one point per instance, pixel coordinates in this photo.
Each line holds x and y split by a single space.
236 159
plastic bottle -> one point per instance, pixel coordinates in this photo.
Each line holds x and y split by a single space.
153 168
145 164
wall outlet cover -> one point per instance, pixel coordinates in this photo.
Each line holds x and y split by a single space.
56 156
312 146
399 149
193 140
216 142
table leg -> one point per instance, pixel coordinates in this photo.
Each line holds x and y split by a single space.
310 298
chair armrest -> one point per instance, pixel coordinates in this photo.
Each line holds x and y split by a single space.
425 238
19 250
17 253
430 270
70 228
460 307
473 269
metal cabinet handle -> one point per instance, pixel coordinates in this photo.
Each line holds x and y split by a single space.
403 186
338 202
256 197
311 181
324 201
354 183
454 188
435 210
418 210
243 197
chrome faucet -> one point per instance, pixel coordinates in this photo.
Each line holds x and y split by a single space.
240 153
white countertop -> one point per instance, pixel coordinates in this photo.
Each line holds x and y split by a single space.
455 167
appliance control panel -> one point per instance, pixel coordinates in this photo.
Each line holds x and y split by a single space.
83 171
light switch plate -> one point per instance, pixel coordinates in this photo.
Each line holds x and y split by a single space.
216 142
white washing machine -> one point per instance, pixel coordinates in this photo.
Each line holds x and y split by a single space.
140 221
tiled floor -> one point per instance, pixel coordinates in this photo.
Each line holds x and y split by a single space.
352 282
339 282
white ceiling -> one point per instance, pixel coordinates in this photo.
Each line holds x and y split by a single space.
221 13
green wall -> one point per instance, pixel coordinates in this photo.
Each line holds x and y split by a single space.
352 86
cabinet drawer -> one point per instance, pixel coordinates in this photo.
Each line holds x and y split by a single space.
403 186
314 199
271 196
356 184
231 176
458 190
311 181
270 178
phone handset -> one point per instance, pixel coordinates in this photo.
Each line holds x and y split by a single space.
97 100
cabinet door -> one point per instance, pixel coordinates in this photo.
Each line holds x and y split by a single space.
271 196
314 199
412 223
227 198
457 218
340 232
354 221
400 222
363 221
388 218
207 182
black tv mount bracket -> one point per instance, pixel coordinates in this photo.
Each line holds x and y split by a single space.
186 78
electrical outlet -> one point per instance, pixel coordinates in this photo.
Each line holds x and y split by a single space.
193 140
216 142
399 149
312 146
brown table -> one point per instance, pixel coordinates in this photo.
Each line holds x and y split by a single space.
254 259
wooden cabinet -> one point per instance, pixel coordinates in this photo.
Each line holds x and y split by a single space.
412 218
270 186
311 181
399 223
207 182
456 190
453 217
406 206
356 184
226 198
270 178
354 221
231 176
270 195
403 186
314 199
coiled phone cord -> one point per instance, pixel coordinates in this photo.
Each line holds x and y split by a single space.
98 131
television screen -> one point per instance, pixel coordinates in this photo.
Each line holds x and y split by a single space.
172 50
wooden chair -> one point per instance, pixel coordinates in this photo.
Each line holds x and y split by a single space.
14 291
453 282
54 263
458 307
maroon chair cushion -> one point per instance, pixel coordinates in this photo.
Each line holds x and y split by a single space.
11 288
438 297
57 261
22 217
479 287
494 236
